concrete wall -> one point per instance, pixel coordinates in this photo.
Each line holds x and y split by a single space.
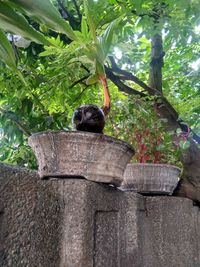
79 223
170 233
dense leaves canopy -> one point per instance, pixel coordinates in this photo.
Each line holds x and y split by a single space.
56 76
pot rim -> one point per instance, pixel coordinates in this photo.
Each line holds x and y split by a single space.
165 165
88 134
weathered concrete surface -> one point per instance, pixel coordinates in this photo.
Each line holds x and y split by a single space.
30 220
79 223
66 223
102 223
94 156
170 233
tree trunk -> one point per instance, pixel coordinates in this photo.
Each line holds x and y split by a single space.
156 64
189 185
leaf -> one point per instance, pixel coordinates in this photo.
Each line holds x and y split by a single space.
16 23
184 144
92 79
107 37
138 5
47 53
79 35
112 1
7 54
100 71
44 12
90 20
84 27
82 59
56 41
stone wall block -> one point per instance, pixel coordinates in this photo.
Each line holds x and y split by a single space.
80 223
170 233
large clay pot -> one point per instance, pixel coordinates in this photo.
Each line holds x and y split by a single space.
151 179
93 156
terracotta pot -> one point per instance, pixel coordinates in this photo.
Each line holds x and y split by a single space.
93 156
151 179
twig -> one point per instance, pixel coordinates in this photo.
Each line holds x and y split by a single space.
79 81
85 68
80 94
39 102
11 116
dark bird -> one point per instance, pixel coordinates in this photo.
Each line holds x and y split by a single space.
91 118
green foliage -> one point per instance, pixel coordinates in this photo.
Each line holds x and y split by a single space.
140 125
89 16
6 51
14 22
95 48
44 12
63 75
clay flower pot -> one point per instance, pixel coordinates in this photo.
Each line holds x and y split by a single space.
151 179
93 156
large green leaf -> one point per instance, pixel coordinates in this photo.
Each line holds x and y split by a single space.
14 22
84 28
44 12
89 16
138 4
103 46
107 37
7 54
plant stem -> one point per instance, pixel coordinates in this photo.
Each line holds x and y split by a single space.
106 104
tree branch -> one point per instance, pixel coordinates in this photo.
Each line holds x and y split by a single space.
129 76
80 94
122 87
11 116
78 81
37 99
170 112
85 68
165 108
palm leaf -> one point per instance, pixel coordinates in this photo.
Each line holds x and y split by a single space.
102 48
84 28
14 22
90 20
7 55
106 39
44 12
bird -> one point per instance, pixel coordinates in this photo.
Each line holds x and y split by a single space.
91 118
